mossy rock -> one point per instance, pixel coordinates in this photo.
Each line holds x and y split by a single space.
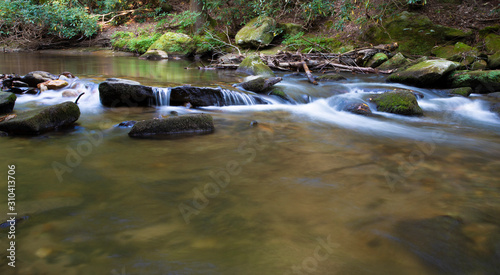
41 120
490 29
174 44
480 81
259 32
376 60
479 64
463 91
401 102
396 62
492 43
259 84
424 74
290 28
7 102
460 52
494 61
173 126
253 65
330 77
279 93
416 34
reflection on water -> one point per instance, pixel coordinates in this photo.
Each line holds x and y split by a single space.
307 190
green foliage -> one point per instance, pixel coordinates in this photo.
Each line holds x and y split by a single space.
208 42
317 9
53 18
180 21
307 44
138 43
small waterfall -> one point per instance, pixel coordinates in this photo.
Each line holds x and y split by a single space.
236 98
162 96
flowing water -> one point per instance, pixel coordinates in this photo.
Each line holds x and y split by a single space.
308 189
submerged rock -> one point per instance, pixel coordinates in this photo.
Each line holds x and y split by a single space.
464 91
259 84
441 243
330 77
173 126
253 65
7 102
125 93
480 81
429 73
257 33
401 102
41 120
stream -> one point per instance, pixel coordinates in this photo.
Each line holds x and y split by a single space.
278 188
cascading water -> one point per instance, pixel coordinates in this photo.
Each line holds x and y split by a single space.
236 98
162 96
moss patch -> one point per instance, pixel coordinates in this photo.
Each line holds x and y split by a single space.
416 34
255 66
259 32
401 102
42 120
176 44
424 74
376 60
7 102
173 126
480 81
396 62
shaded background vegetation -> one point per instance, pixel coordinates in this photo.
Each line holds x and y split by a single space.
42 23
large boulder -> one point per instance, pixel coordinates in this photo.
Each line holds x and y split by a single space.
427 73
7 102
258 32
173 126
206 96
259 84
255 66
116 92
41 120
401 102
416 34
125 93
492 43
173 44
482 82
33 78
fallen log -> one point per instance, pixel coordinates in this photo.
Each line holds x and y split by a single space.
308 73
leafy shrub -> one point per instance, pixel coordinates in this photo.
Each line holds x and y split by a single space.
129 41
181 21
51 19
307 44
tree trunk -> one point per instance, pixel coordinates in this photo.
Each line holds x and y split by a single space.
197 6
